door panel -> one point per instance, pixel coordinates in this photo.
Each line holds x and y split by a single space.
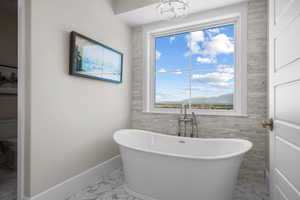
287 106
279 194
287 74
286 155
281 5
285 186
287 11
288 45
284 99
289 132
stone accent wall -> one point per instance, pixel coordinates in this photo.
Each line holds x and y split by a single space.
220 126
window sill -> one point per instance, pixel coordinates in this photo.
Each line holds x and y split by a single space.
197 112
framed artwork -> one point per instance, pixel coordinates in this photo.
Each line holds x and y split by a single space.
91 59
8 80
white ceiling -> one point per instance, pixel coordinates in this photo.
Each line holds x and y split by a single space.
148 13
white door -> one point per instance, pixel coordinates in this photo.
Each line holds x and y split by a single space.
284 82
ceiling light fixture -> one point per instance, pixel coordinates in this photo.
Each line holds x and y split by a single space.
171 9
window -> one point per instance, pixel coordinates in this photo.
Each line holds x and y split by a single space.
199 66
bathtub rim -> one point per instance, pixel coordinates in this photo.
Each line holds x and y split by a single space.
248 145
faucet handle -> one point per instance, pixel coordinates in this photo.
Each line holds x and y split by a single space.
195 123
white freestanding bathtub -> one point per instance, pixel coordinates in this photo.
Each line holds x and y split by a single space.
162 167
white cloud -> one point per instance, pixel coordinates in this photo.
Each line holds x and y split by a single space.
213 77
158 54
178 71
222 84
220 43
217 79
226 69
197 36
213 30
162 70
205 60
193 39
211 45
172 38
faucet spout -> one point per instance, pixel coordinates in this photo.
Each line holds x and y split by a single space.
189 123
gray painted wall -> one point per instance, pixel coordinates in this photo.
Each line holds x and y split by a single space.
71 120
220 126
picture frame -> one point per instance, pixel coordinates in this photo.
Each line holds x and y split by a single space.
94 60
8 80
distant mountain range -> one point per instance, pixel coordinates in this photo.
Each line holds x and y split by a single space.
226 99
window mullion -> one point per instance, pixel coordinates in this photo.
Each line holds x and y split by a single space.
190 80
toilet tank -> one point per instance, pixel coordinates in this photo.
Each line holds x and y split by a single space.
8 129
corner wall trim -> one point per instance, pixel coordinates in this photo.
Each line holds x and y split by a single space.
74 184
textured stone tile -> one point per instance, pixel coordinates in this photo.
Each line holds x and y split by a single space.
220 126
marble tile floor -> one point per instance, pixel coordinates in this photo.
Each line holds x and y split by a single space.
8 184
111 188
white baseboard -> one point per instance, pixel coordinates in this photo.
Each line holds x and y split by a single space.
267 177
73 185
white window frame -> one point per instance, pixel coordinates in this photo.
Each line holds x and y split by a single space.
240 74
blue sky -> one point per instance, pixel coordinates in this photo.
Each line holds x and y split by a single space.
195 64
